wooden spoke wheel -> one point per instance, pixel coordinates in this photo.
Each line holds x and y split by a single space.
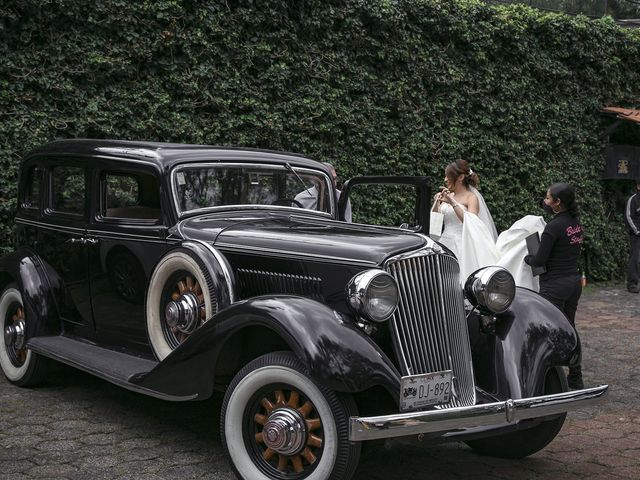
183 294
184 290
278 424
288 431
127 277
14 322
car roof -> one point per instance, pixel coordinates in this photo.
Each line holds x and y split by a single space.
166 155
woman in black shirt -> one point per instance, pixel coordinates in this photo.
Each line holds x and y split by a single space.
559 251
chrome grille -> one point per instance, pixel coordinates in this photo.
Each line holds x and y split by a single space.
429 326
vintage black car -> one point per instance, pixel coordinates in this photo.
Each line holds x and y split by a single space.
181 270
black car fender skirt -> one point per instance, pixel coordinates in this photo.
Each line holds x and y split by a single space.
336 352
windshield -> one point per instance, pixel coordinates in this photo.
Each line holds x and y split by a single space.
205 186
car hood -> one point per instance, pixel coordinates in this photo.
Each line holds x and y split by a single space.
301 236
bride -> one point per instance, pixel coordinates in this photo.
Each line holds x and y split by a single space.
469 231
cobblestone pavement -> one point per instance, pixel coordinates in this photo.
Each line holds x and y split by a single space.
80 427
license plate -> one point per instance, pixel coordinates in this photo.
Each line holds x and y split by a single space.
418 391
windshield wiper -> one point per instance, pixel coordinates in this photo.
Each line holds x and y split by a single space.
290 168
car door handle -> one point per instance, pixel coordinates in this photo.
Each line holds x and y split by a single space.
82 241
75 240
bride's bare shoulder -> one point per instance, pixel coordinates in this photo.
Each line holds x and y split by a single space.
473 204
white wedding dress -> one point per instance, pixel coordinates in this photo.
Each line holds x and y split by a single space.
452 229
476 244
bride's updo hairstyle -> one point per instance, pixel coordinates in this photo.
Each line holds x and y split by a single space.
567 195
461 167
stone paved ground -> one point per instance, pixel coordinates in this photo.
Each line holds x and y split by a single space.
79 427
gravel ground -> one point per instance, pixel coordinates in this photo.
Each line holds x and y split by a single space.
79 427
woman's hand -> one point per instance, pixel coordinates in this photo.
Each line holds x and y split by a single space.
447 197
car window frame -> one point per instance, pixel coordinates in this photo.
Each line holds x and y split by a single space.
23 188
48 210
99 180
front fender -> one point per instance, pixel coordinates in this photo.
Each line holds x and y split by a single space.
531 337
336 353
29 272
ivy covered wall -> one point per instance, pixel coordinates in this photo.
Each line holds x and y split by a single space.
373 86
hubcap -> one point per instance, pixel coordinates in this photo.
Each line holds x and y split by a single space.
285 431
183 313
184 309
14 335
288 433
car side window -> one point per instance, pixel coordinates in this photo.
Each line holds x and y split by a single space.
68 190
130 196
33 189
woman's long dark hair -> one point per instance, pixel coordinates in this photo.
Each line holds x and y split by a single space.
567 195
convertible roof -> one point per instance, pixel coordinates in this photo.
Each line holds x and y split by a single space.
165 155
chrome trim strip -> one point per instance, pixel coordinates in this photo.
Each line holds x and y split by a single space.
429 249
56 227
125 236
100 233
213 163
130 151
509 411
293 255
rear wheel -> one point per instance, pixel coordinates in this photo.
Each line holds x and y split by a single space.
20 365
127 277
527 442
277 424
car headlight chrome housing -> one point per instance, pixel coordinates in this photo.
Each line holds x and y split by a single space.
490 289
373 295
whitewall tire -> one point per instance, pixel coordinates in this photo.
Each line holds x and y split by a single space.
19 364
177 274
266 394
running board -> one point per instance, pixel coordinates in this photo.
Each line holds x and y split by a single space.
115 367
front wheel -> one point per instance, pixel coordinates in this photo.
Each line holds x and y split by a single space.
527 442
277 424
20 365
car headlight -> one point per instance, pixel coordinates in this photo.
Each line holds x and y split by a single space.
373 294
490 288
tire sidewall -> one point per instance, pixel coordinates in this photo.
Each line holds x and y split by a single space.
10 296
236 405
171 263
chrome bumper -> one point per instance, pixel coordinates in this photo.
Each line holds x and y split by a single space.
451 419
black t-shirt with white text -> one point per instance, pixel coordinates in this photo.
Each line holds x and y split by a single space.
560 246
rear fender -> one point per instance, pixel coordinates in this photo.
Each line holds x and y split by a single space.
336 353
530 338
28 271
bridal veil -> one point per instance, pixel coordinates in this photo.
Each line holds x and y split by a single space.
481 245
